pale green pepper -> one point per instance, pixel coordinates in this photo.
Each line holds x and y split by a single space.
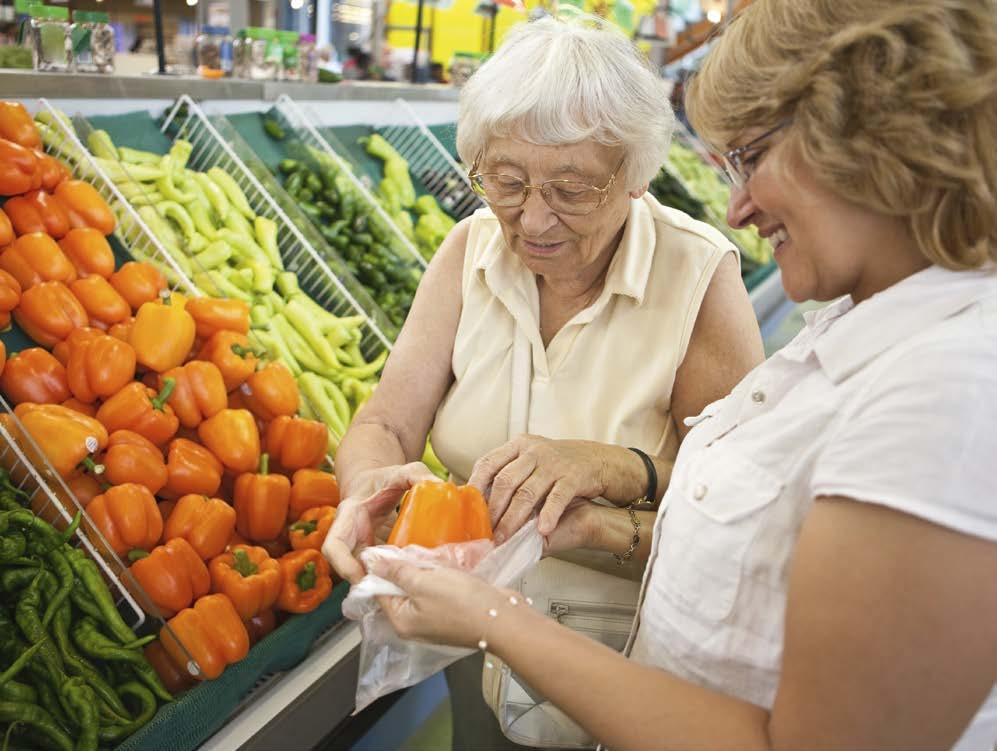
232 190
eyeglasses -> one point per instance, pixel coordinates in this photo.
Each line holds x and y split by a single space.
563 196
738 168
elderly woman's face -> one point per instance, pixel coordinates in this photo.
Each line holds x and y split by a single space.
548 242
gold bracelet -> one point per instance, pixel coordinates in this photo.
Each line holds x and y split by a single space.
634 541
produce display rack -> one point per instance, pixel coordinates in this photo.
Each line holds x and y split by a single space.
304 130
437 170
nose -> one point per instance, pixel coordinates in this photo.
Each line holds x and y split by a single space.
740 207
536 217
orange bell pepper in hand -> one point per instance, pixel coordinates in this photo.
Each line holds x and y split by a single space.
138 283
132 458
89 252
199 393
271 392
163 334
36 258
307 581
261 502
34 375
6 230
137 407
191 468
16 125
19 170
101 301
212 315
99 366
311 488
232 354
206 523
64 436
10 296
49 312
128 517
312 527
297 443
233 437
173 575
52 212
438 513
211 632
86 206
249 577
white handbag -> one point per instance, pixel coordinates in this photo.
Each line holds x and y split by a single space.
594 603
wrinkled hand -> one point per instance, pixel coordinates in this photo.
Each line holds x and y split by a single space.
440 606
362 519
532 472
577 528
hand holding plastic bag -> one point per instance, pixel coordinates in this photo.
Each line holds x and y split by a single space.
388 662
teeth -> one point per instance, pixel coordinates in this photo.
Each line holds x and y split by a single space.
778 237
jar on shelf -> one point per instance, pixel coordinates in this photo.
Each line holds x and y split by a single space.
240 55
307 58
213 52
290 65
92 42
50 37
263 66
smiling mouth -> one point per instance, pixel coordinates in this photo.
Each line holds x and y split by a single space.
777 238
541 248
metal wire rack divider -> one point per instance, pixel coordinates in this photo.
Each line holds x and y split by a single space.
305 131
215 144
49 495
431 162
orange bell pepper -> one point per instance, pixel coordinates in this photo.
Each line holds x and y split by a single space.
123 330
172 575
137 407
16 125
233 356
191 468
211 632
212 315
10 296
6 230
83 200
77 337
235 539
175 679
261 502
24 216
19 171
307 581
199 393
206 523
437 513
3 357
248 577
51 171
36 258
297 443
33 375
101 301
128 517
90 410
88 251
312 527
260 625
83 486
99 366
52 212
271 392
163 334
311 488
49 312
232 436
65 437
138 283
132 458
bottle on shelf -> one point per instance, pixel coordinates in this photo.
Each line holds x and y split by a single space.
50 44
290 59
213 51
91 42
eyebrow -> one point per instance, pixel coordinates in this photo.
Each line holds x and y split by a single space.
501 160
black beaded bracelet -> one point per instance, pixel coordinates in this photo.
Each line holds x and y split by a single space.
651 494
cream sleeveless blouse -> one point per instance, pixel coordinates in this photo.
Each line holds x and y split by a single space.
607 375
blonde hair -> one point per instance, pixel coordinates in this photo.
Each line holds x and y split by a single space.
555 82
893 104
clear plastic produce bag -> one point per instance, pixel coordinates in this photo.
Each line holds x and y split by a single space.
388 662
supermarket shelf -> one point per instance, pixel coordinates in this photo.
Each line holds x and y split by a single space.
31 84
299 708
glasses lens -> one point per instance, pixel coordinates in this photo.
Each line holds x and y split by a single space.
572 198
500 190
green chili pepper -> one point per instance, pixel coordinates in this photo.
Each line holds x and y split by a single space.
12 545
232 191
83 704
30 622
16 691
166 186
134 156
215 195
273 129
36 718
146 711
266 237
18 665
176 212
89 576
89 639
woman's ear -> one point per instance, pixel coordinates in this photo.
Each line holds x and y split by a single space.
639 191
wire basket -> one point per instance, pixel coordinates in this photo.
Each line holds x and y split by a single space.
432 164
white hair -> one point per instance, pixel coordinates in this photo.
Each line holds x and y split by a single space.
556 82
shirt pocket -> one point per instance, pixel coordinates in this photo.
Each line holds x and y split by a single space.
709 529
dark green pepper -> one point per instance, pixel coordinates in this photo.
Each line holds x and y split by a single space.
93 643
89 576
37 719
146 711
82 703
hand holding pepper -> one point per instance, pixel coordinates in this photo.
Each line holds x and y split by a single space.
436 513
249 577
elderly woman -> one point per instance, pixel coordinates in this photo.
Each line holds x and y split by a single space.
573 320
825 573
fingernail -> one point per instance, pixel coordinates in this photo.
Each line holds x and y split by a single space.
499 538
